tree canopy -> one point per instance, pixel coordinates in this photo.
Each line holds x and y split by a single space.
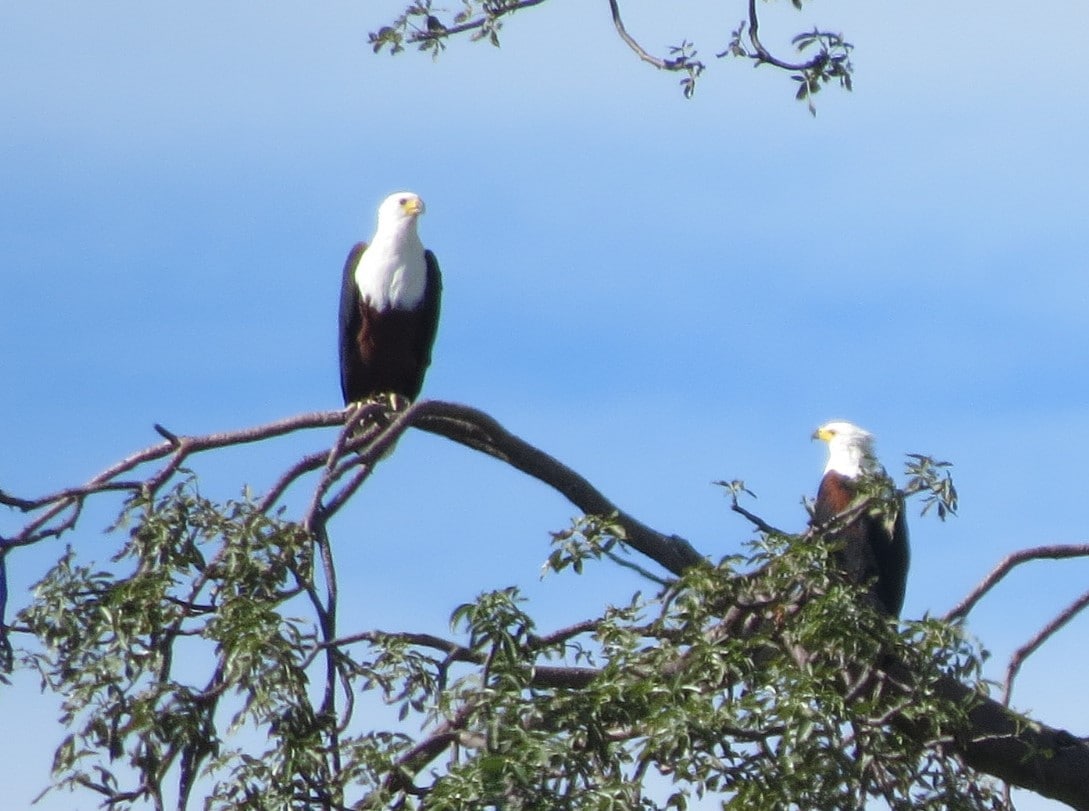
209 662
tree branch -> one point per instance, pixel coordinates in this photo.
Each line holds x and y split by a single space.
682 62
477 430
459 423
1007 745
1008 564
763 55
434 31
1045 633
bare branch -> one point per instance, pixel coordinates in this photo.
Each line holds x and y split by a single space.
462 424
1051 552
614 8
178 449
1030 647
477 430
755 520
658 62
563 634
635 567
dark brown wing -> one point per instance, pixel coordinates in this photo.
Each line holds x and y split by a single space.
429 315
349 324
869 551
893 552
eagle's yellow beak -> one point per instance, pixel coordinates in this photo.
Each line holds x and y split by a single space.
413 206
823 434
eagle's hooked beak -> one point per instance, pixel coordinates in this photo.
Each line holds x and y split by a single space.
823 434
414 207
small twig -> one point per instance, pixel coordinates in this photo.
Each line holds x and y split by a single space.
425 35
308 463
563 634
340 498
169 436
22 504
640 570
37 530
756 520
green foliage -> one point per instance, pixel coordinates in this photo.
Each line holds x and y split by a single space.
202 660
931 478
825 55
683 58
419 25
118 644
786 714
589 538
831 64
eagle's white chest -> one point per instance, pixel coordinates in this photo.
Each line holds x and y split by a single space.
850 461
392 274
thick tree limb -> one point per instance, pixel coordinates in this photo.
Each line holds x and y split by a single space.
477 430
1011 747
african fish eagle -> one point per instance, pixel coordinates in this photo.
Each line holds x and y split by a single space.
389 306
874 547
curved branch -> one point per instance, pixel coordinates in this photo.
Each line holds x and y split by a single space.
681 63
763 55
1010 562
462 424
614 8
479 431
176 448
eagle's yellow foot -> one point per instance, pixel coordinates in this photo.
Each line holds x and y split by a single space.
397 402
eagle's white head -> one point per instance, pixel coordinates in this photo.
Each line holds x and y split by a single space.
850 449
398 213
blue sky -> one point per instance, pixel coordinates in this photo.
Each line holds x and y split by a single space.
659 292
